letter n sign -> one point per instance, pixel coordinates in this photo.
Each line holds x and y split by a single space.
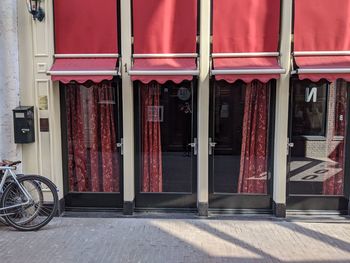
311 94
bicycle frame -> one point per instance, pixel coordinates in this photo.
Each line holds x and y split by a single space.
9 172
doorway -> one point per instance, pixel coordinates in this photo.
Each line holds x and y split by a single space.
240 142
166 146
318 132
91 138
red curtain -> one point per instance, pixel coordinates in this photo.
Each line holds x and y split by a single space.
93 164
151 138
335 184
254 152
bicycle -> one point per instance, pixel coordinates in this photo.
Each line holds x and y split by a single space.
27 202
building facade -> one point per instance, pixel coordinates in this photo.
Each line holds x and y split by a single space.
9 77
223 105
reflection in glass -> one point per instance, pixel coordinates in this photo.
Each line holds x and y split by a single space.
317 162
310 102
93 161
241 128
166 131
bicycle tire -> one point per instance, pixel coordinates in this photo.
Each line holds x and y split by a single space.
25 226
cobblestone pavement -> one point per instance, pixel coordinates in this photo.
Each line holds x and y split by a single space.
172 239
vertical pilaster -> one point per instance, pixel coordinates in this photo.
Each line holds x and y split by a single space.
282 107
26 81
203 107
128 107
36 50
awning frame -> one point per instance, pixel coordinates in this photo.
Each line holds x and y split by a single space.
86 72
245 55
253 71
320 53
168 55
86 56
166 72
262 71
321 70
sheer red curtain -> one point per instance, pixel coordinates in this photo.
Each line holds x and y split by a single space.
151 138
334 185
93 162
254 152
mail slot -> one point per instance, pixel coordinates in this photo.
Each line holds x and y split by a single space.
23 119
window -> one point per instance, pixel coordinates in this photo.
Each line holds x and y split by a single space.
319 121
310 108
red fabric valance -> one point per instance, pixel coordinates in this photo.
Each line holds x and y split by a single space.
322 25
164 27
85 26
81 66
244 27
163 64
324 62
246 64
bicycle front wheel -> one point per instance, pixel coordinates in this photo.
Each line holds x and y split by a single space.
38 211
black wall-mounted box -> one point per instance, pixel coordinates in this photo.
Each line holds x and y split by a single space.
23 120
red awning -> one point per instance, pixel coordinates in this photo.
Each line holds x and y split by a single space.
249 26
323 67
321 30
260 66
84 69
164 27
85 26
162 64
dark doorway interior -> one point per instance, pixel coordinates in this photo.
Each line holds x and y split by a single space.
166 159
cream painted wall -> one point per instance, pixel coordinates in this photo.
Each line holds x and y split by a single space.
9 78
36 49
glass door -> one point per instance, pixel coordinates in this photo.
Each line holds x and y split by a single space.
92 132
240 145
317 158
166 145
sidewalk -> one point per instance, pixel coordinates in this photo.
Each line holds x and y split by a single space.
227 239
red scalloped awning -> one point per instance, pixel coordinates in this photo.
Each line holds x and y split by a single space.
164 27
322 25
317 63
106 68
261 63
248 26
86 26
159 64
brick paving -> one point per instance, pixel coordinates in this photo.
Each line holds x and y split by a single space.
175 239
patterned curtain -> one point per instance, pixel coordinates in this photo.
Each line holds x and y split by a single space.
93 164
151 138
254 152
334 185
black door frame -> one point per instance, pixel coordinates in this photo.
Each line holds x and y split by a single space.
318 202
164 201
91 201
256 203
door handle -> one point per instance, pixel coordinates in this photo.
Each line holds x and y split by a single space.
121 146
194 145
211 146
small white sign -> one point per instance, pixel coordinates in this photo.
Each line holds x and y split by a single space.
19 115
155 113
